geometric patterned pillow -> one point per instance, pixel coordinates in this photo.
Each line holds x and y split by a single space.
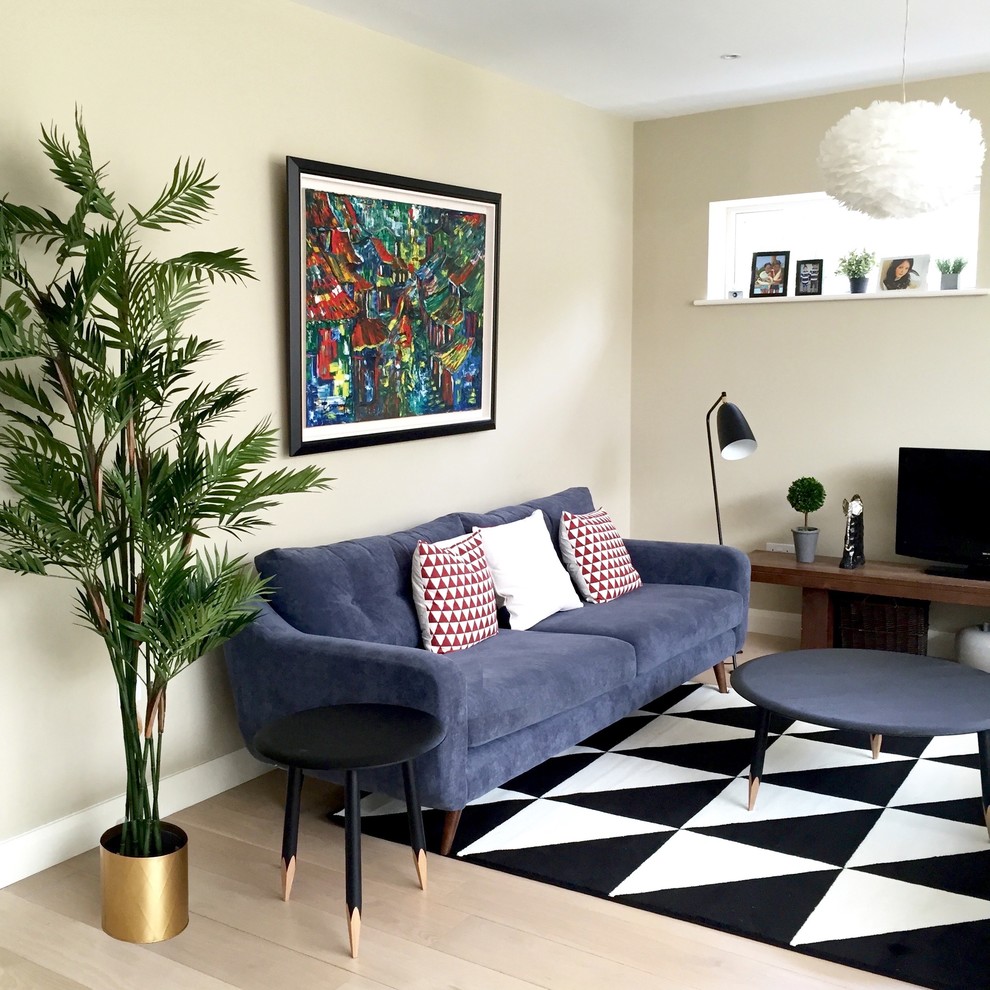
454 593
596 557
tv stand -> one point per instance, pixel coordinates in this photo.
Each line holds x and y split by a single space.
824 578
959 571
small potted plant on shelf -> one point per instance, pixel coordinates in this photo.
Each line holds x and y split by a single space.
856 266
806 495
950 269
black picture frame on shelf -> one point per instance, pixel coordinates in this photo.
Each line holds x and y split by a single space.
768 276
393 306
808 277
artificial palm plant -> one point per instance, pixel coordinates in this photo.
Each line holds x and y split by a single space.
104 446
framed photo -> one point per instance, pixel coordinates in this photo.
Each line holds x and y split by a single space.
808 277
393 297
769 274
906 272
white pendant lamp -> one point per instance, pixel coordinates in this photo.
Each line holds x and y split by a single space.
902 159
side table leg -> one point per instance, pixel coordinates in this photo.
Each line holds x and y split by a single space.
417 837
290 829
759 750
984 741
352 854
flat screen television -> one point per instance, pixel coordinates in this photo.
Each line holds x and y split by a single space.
942 509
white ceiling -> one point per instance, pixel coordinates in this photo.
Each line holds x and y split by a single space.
656 58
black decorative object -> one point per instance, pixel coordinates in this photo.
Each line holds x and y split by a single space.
852 545
735 441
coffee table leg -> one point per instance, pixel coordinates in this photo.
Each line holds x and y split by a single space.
417 837
290 829
352 853
984 740
759 750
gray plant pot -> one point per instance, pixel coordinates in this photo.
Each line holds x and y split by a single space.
950 281
858 283
805 544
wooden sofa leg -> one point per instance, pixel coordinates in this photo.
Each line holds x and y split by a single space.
450 822
720 678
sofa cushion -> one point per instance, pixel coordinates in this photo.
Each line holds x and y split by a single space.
454 593
659 620
596 557
357 589
529 578
519 678
571 500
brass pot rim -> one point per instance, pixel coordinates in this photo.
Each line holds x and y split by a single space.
115 831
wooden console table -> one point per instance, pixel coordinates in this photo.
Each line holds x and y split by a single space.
822 579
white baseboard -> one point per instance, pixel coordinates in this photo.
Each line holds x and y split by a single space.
29 853
775 623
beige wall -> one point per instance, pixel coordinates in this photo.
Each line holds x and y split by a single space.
244 83
830 389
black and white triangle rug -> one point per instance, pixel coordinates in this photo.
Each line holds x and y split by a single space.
880 865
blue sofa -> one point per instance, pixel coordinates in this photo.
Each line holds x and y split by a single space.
341 627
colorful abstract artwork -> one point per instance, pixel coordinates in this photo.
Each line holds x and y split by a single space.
392 307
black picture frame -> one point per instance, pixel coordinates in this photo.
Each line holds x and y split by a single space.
392 307
768 275
808 276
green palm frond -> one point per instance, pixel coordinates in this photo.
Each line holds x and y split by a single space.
227 265
75 169
32 225
187 199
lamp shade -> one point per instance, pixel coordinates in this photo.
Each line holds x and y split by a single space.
735 438
902 159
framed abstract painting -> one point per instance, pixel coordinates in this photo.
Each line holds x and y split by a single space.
393 298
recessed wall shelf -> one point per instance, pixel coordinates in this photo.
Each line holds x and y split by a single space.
846 297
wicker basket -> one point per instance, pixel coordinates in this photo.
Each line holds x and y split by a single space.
873 622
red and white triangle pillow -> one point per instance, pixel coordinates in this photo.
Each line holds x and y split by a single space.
454 593
596 557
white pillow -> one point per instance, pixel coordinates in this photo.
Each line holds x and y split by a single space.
528 575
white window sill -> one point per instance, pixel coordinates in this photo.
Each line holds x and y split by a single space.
846 297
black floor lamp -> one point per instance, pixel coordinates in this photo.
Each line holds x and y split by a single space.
735 441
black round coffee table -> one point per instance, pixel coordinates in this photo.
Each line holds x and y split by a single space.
350 738
880 692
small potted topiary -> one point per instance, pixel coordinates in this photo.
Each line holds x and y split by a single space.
950 269
856 266
805 495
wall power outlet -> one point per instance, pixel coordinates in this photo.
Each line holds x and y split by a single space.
781 547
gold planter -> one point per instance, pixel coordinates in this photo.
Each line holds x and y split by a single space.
145 898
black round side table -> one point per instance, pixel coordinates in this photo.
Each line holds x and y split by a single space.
350 738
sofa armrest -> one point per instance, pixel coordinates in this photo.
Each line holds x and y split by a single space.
708 565
704 564
275 670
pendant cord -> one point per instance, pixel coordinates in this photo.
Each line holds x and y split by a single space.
907 12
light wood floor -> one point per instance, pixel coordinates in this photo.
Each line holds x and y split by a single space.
474 929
